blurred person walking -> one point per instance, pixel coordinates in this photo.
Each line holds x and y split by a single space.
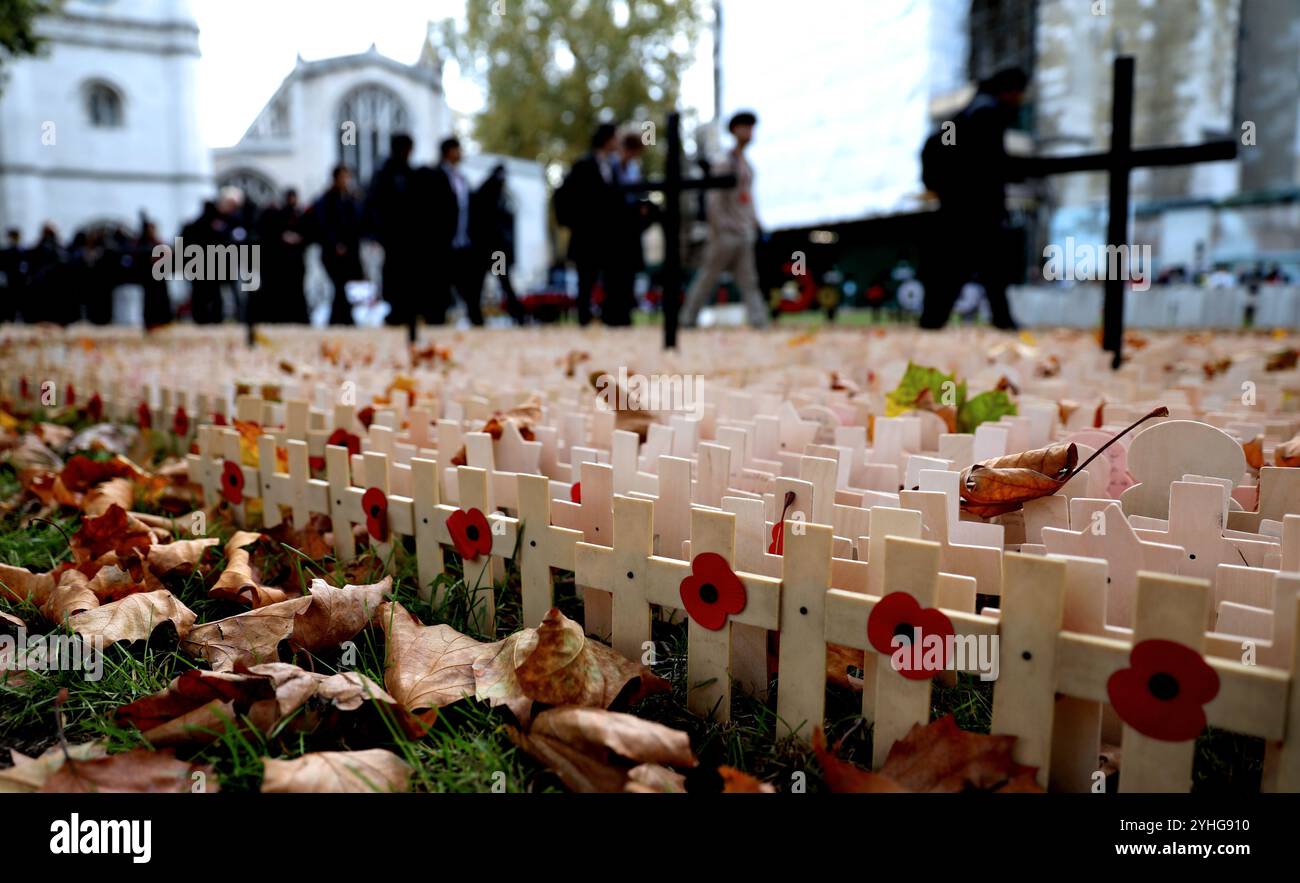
282 231
970 176
394 208
455 265
336 223
492 231
588 203
733 233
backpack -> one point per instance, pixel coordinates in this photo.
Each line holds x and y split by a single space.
938 163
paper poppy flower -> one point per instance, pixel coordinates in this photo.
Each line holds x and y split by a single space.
71 394
340 438
898 613
95 407
374 503
181 422
470 533
777 546
712 592
24 388
1163 692
232 483
144 416
575 492
219 419
366 416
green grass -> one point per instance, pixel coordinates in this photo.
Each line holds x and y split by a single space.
467 749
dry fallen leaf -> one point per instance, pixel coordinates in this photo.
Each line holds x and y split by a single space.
20 585
246 638
70 597
557 664
134 618
594 750
179 558
337 615
240 582
133 772
28 774
736 782
934 757
1254 451
337 772
426 667
1287 453
1004 484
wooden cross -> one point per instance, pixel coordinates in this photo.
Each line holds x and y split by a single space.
672 186
1119 162
708 654
544 547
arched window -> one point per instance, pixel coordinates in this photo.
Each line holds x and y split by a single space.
368 117
104 106
256 187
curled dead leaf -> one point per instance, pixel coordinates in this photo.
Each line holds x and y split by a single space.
337 772
134 618
247 638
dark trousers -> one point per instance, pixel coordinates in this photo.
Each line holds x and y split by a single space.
967 247
459 270
402 285
340 309
206 302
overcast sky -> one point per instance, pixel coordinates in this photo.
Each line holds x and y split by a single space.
243 63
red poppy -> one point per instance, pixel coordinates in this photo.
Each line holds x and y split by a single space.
899 614
232 483
712 592
470 533
95 407
181 422
374 503
345 439
144 416
71 394
366 416
219 419
777 546
24 389
1163 692
575 492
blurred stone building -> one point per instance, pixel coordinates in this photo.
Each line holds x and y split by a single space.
104 124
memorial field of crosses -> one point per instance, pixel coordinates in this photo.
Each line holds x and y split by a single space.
529 560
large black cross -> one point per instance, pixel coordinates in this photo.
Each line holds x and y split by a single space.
1120 161
672 186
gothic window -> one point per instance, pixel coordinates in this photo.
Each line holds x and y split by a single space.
368 117
104 106
256 187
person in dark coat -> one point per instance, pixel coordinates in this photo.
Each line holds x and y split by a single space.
625 258
52 285
394 205
157 293
281 230
595 202
14 269
336 220
207 304
972 218
492 230
454 264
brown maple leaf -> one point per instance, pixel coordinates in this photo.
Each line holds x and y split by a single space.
337 615
337 772
557 664
426 667
19 585
247 638
594 750
70 597
241 580
934 757
134 618
133 772
1254 451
